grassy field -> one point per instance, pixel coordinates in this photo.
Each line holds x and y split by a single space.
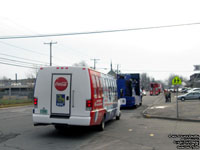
13 102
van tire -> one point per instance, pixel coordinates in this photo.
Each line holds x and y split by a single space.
118 117
101 127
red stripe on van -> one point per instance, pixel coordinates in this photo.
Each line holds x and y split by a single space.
96 101
97 113
97 117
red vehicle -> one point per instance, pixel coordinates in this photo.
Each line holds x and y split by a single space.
156 88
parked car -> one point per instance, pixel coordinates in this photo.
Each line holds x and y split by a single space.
171 90
185 90
194 90
189 96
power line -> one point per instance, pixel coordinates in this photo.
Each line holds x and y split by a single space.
18 65
23 58
96 32
156 70
23 48
28 29
34 32
78 52
27 50
18 61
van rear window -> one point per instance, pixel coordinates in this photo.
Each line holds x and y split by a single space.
94 86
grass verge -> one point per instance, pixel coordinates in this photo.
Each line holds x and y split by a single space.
15 103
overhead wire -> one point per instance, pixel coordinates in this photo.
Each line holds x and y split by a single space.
43 54
18 61
92 32
32 31
156 70
18 65
95 32
23 58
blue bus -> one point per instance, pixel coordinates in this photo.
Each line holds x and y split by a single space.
128 89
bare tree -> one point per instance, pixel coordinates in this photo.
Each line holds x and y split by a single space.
5 80
81 64
145 81
170 78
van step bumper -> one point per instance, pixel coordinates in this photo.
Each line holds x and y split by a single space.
39 119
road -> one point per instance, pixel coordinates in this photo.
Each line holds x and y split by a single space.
131 132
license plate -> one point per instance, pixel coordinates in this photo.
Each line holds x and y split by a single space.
43 111
123 101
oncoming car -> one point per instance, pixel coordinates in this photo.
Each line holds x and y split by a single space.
190 96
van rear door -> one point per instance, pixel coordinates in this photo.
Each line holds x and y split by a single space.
60 95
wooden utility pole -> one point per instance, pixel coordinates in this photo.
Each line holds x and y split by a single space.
50 44
95 61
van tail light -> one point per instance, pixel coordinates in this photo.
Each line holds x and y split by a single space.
88 104
35 101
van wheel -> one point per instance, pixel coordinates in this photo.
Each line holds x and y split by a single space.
101 127
118 117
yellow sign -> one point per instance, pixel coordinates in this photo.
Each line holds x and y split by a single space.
176 81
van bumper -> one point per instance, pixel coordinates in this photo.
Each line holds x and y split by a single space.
39 119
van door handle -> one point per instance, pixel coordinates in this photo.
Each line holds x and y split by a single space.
67 98
73 98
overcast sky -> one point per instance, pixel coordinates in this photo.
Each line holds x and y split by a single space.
158 52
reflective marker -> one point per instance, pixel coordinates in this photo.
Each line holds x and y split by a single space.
130 130
151 134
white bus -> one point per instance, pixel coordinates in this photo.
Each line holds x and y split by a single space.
74 96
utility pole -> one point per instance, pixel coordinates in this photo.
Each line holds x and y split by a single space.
95 61
50 44
16 77
117 68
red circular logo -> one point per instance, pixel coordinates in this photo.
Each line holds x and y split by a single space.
61 84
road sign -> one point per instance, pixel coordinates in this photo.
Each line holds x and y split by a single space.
176 81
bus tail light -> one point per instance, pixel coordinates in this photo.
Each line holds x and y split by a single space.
35 101
88 104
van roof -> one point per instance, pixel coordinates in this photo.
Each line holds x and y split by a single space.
77 67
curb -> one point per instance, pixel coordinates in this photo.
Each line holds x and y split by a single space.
146 115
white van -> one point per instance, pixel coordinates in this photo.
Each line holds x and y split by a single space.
74 96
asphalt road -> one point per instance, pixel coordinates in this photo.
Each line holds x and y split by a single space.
131 132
